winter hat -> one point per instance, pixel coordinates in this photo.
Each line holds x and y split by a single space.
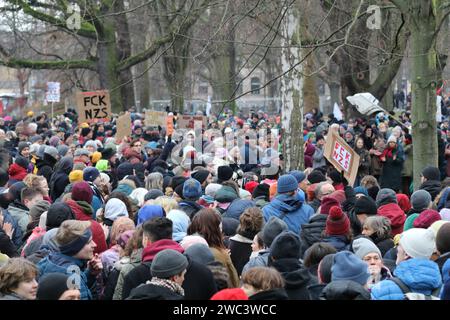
362 190
363 246
115 208
90 174
16 190
81 191
426 218
138 195
124 169
73 247
385 196
91 143
420 200
52 286
211 189
125 187
180 224
443 239
81 152
224 173
436 226
54 141
96 156
189 241
230 294
347 266
250 186
76 176
365 205
285 245
335 176
168 263
287 183
38 209
409 222
300 176
244 194
148 212
201 253
316 177
327 203
62 150
339 195
102 165
106 178
57 213
40 152
229 226
192 189
200 175
373 192
445 214
392 139
34 148
418 243
403 202
51 151
107 153
35 139
153 194
272 229
431 173
262 189
337 222
22 161
22 145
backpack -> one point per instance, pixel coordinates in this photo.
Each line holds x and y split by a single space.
409 295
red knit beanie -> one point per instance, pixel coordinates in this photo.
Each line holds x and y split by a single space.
327 203
81 191
230 294
337 222
426 219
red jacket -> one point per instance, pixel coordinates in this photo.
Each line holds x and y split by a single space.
395 214
149 252
98 235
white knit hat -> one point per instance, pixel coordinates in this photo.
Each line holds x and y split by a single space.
418 243
392 139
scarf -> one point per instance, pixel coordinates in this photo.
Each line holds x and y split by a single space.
166 283
388 153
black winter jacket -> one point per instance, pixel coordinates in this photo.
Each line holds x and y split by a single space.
312 232
344 290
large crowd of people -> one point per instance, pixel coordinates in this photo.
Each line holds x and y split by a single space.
212 214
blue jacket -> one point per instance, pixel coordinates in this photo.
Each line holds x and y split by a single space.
237 207
60 263
445 292
17 234
290 209
340 243
420 275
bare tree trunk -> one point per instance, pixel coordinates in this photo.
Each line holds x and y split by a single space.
292 92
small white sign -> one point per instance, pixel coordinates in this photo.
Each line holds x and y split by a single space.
53 92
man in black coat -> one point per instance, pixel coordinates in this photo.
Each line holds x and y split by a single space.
431 181
46 165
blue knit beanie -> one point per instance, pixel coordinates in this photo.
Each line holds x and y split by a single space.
300 176
287 183
347 266
192 189
90 174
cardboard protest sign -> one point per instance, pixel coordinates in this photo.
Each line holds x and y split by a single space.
342 157
123 124
188 122
169 125
155 118
94 106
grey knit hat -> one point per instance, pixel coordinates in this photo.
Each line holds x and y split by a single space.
385 196
420 199
168 263
362 247
272 229
52 151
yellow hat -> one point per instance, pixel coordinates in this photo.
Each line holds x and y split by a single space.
30 113
84 125
76 176
96 156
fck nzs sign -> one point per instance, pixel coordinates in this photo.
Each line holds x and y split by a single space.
94 106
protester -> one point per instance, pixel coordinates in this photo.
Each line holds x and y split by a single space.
18 280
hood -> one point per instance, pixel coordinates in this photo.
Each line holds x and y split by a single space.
64 165
180 224
420 275
17 172
294 273
150 251
49 242
285 203
394 213
57 262
237 207
432 186
78 209
47 161
344 290
310 149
